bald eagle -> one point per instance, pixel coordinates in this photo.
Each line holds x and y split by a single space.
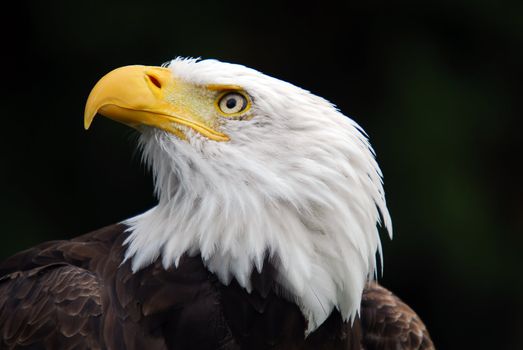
264 237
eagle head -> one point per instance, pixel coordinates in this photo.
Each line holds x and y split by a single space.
250 169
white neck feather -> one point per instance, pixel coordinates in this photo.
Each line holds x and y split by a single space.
312 208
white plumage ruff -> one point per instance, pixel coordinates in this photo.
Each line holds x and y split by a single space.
297 181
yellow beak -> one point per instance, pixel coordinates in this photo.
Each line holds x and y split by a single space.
138 95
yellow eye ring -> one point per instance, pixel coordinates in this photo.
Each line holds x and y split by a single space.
233 103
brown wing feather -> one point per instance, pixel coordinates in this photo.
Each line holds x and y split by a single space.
390 324
53 305
77 294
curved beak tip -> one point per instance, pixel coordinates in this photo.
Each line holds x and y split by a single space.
88 119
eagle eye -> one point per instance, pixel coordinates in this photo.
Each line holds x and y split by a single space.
233 103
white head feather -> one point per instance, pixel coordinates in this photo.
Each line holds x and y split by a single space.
298 181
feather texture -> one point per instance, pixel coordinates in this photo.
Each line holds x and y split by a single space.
78 295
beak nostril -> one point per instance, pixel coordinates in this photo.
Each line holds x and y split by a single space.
155 81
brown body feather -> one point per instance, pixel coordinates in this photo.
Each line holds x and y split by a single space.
78 295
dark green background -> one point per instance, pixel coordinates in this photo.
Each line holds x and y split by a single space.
436 85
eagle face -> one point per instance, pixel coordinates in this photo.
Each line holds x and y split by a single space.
248 168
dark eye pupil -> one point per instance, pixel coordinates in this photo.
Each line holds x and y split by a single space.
231 103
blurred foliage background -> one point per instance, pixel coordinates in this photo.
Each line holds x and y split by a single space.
437 86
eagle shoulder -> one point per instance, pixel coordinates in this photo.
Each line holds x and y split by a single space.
53 305
80 294
52 296
388 323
